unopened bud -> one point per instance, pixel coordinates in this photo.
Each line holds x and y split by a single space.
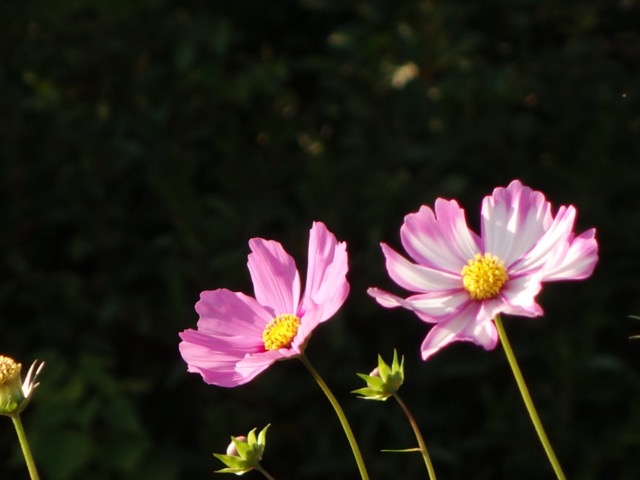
14 393
244 453
232 449
383 381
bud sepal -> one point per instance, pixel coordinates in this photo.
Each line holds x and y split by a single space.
383 381
244 453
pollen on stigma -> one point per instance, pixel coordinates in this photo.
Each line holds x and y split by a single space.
280 332
484 276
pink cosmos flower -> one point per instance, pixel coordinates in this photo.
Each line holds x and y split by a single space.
462 281
239 336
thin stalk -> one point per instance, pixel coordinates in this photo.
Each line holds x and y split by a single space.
264 472
26 451
341 416
416 431
524 391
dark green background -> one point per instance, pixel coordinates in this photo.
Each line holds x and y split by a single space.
142 143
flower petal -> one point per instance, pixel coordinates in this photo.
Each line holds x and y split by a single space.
519 296
252 365
439 240
215 359
226 313
576 261
275 278
554 241
513 220
326 287
386 299
417 278
430 307
462 327
229 329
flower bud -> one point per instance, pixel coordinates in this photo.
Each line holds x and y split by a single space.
232 450
244 453
14 393
383 381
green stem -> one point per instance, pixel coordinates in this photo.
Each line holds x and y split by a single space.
26 451
264 472
341 416
416 431
527 399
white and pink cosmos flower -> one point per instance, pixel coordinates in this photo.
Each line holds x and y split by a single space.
462 281
239 336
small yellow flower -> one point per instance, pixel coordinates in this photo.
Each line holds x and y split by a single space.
14 393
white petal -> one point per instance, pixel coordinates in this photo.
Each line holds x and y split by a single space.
552 244
576 261
439 240
429 307
417 278
463 327
513 220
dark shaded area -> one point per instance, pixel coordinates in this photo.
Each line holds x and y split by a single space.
142 143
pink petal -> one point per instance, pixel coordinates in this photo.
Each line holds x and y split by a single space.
230 328
386 299
327 287
417 278
519 296
533 310
226 313
576 261
430 307
554 240
252 365
214 359
442 240
513 220
462 327
275 278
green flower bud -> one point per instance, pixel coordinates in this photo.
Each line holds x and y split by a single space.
243 453
383 381
14 393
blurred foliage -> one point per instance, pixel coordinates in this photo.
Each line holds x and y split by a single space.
142 143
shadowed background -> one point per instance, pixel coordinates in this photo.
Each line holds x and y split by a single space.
142 143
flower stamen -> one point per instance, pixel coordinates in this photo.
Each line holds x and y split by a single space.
484 276
9 368
280 332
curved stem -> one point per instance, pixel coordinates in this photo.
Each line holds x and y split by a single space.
26 451
264 472
524 391
416 431
341 416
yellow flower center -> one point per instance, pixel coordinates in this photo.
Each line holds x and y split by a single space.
484 276
280 332
8 369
